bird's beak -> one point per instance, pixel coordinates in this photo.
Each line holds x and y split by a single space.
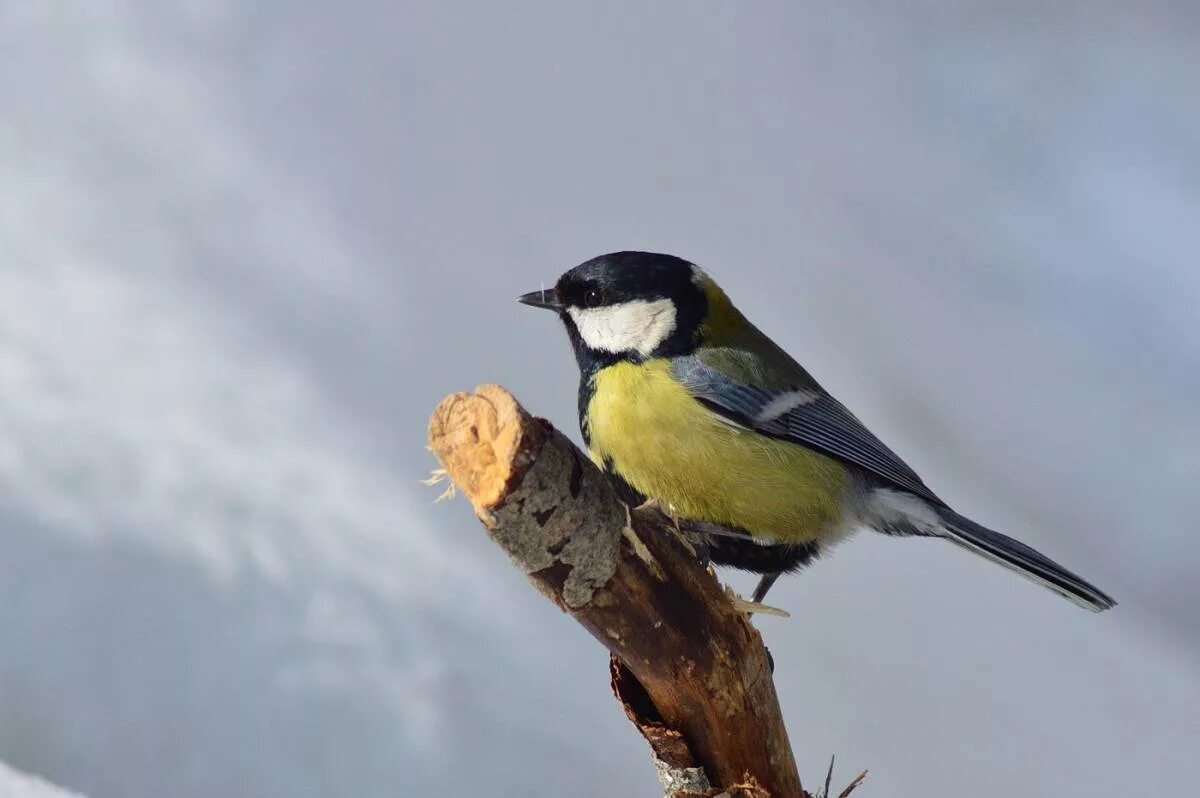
541 299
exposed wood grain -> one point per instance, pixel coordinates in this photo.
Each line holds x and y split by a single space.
689 667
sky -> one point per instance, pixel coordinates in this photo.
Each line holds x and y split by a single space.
246 248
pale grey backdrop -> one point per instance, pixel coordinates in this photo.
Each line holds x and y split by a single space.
245 248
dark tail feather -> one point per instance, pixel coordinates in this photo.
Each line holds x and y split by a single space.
1018 557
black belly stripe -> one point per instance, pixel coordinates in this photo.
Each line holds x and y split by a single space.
750 556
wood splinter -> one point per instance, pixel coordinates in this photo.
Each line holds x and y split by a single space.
690 670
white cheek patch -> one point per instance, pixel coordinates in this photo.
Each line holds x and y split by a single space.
637 326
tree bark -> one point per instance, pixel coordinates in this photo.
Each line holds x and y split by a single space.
690 670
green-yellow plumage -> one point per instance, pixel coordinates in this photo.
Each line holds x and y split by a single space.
667 445
689 405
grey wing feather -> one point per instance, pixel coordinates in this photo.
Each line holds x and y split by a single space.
819 422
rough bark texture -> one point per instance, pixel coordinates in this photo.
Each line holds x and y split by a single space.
689 668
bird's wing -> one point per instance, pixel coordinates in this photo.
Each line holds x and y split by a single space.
794 408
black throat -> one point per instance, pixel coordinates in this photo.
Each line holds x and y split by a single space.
629 276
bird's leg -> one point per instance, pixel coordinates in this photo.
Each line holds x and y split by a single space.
693 533
694 539
653 505
666 511
764 584
741 605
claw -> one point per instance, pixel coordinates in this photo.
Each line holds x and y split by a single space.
665 509
750 607
668 512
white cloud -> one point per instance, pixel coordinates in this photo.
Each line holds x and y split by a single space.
130 409
14 784
134 402
138 409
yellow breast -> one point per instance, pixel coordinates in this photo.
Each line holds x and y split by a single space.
670 447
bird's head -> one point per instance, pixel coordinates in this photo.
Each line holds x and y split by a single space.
629 306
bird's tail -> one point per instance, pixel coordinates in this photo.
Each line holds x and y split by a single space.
1022 559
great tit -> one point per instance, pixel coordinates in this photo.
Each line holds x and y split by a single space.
685 403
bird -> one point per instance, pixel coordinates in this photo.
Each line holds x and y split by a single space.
687 406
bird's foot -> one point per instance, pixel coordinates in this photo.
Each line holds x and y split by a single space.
752 607
665 510
695 542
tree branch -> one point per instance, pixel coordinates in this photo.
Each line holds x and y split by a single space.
689 668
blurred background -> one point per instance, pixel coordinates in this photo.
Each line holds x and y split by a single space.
246 248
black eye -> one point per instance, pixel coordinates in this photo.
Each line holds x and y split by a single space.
593 298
